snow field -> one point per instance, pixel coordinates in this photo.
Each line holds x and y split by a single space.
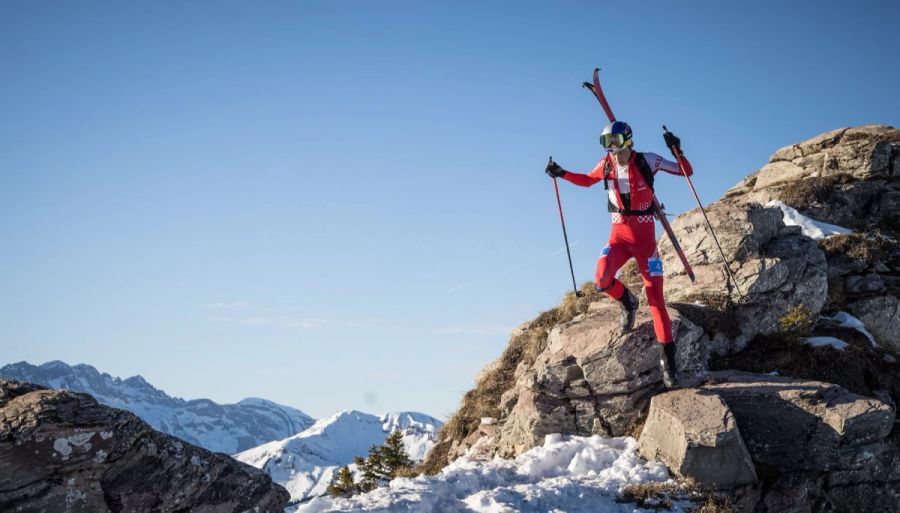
567 474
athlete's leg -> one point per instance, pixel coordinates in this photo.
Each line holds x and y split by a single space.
650 267
612 258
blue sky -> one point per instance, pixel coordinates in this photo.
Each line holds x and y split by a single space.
342 204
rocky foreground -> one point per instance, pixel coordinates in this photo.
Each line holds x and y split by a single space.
772 422
62 452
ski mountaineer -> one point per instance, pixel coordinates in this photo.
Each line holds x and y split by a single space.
628 176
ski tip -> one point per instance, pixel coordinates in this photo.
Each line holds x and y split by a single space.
596 70
665 129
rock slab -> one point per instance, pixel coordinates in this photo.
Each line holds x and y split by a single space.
803 425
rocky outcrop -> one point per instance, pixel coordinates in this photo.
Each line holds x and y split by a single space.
848 177
589 380
695 434
814 446
775 267
63 452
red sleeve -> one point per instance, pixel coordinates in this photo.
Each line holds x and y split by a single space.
658 163
586 180
580 179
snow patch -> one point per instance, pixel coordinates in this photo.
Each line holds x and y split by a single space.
845 320
816 230
567 474
826 341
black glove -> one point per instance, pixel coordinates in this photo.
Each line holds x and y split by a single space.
554 171
673 142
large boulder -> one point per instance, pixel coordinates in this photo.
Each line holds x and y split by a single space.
695 434
63 452
796 424
775 266
590 380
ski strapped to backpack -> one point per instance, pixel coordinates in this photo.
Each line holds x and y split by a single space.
656 208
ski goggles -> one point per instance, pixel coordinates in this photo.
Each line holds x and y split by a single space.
612 142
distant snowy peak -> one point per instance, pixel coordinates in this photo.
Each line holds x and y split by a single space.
85 378
228 428
306 462
419 431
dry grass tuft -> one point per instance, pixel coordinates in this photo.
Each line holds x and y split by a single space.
409 472
867 249
660 495
815 191
484 399
859 368
714 504
650 495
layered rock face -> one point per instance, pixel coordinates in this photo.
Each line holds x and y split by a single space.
848 177
780 443
63 452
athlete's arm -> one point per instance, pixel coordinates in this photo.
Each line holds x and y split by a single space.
586 180
581 179
658 163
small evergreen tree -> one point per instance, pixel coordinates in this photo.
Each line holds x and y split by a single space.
384 463
372 469
343 485
394 456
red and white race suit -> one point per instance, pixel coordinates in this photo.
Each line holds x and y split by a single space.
633 230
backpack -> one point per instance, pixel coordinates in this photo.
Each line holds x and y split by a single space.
646 174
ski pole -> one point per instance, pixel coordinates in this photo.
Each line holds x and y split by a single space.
562 219
700 204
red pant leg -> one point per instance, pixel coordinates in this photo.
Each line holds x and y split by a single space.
612 258
650 267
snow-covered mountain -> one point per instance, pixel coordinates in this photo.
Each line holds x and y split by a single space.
227 428
306 462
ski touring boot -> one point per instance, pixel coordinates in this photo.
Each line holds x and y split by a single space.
629 304
667 364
